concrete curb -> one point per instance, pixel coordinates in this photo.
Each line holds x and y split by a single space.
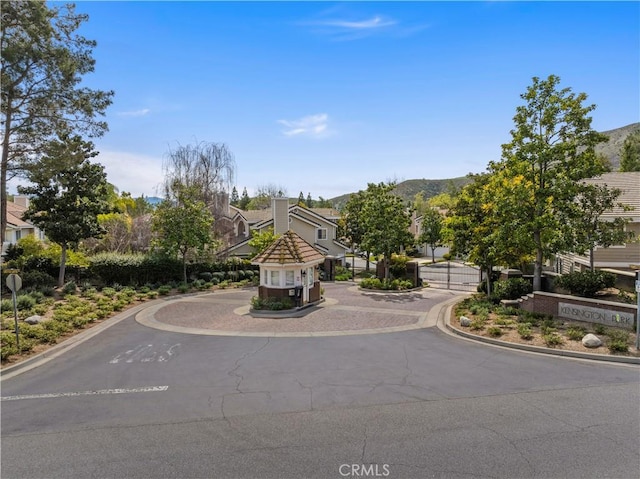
444 324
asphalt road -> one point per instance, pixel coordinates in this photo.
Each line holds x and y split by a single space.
135 402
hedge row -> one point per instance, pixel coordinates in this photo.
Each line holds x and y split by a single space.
132 269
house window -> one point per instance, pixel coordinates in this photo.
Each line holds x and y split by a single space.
275 278
322 233
310 278
288 278
18 234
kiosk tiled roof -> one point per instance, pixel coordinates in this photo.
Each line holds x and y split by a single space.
290 248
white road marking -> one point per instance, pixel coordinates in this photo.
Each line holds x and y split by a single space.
147 353
86 393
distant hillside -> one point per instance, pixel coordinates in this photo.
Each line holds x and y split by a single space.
611 150
409 188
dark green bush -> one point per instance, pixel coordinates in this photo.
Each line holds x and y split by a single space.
586 283
512 288
37 279
25 301
271 304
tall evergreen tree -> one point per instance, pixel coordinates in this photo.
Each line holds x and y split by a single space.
235 199
630 153
43 60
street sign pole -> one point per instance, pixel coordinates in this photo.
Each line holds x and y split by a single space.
15 319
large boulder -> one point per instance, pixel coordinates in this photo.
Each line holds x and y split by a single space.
35 319
464 321
591 341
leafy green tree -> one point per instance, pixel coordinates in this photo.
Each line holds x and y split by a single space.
183 225
244 200
322 203
472 225
630 153
551 149
310 201
261 240
301 200
386 222
589 227
43 62
66 204
431 234
351 223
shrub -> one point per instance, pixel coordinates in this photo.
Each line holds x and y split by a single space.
271 304
398 265
183 288
69 288
6 305
25 301
525 331
164 290
109 292
552 339
512 288
205 276
599 329
478 324
575 333
494 331
37 279
618 346
586 283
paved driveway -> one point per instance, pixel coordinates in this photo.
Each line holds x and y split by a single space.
139 402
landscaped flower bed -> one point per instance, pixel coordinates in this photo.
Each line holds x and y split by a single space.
519 326
386 284
66 311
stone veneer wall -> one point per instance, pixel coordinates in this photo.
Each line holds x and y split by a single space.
619 314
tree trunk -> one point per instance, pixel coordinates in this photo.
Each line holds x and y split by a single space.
63 265
433 254
4 166
368 266
489 289
184 268
537 265
387 269
591 259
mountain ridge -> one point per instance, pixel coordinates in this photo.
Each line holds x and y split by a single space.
407 189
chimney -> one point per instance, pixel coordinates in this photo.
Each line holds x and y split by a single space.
21 200
280 212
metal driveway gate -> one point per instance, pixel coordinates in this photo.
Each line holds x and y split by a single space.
451 275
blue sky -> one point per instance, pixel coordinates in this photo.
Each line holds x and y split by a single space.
325 97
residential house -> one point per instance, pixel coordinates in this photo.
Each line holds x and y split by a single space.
620 257
317 226
17 227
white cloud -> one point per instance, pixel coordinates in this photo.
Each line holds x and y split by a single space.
142 112
315 126
372 23
131 172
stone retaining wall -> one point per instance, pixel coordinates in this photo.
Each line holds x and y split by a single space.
609 313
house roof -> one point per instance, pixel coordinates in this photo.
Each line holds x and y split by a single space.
14 215
629 184
290 248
